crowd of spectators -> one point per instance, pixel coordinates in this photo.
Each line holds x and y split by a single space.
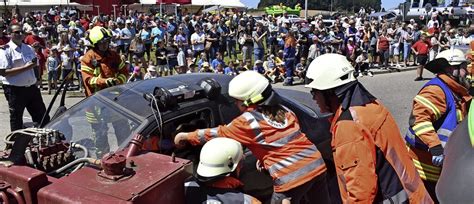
279 47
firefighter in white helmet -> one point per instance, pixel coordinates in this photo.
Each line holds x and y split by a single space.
370 157
273 134
438 108
216 179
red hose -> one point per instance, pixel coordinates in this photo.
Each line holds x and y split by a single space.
4 197
17 196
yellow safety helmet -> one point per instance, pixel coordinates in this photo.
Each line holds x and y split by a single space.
98 34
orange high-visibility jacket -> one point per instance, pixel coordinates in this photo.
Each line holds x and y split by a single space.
285 151
429 106
371 158
96 69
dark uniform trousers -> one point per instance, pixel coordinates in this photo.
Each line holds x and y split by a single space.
20 98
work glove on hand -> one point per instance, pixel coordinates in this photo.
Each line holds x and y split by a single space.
437 160
111 82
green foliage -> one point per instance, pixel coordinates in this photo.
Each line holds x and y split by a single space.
337 5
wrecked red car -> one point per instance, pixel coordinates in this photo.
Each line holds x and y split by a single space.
117 145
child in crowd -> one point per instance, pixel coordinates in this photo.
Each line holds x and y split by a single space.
172 56
151 72
258 67
362 64
300 69
53 66
202 60
181 57
248 65
137 75
219 69
66 64
230 70
206 68
217 61
161 60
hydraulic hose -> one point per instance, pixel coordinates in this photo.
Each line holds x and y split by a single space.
86 154
75 162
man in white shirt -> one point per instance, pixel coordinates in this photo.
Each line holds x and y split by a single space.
18 61
197 41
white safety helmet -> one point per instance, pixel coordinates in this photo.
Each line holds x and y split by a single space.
250 87
219 157
451 57
329 71
454 57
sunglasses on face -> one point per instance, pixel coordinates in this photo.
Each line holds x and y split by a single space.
18 32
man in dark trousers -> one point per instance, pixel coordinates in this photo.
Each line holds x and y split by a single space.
17 63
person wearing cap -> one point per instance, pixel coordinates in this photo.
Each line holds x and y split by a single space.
205 68
272 133
17 64
151 72
370 156
216 178
258 67
127 35
438 108
421 49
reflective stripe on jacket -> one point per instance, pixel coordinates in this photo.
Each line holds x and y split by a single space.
437 109
444 125
285 151
96 69
372 163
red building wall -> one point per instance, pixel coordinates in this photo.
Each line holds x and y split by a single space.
105 6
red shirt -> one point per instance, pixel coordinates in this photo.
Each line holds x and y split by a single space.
30 39
422 47
85 24
433 30
383 43
4 40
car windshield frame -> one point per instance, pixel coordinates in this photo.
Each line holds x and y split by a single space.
67 123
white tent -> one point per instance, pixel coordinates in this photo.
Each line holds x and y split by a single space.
220 3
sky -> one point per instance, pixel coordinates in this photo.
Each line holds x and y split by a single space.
385 3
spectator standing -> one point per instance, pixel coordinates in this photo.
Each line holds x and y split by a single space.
145 34
128 33
212 42
434 41
172 55
258 36
383 46
421 49
53 65
19 82
197 41
407 38
137 47
289 55
247 42
66 64
161 62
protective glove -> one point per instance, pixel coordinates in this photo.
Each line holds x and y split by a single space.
437 160
111 82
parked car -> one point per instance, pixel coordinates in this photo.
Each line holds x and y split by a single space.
388 16
126 117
